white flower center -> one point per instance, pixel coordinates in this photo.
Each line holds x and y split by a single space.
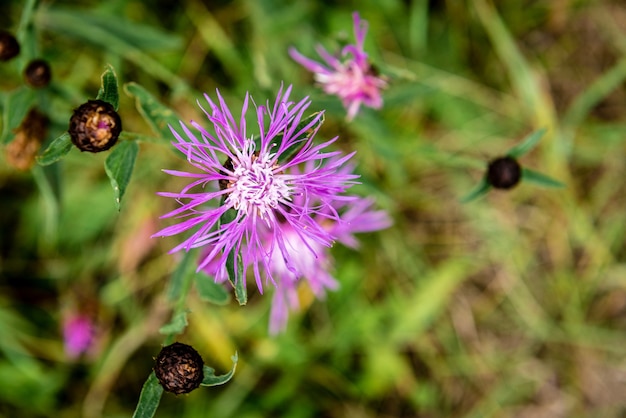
256 188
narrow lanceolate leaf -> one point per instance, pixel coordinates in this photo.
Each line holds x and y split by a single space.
108 88
119 167
210 291
540 179
241 293
210 379
176 325
527 144
287 154
480 190
149 398
56 150
16 105
155 113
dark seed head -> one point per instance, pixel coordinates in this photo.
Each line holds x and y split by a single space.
179 368
37 73
9 47
95 126
504 173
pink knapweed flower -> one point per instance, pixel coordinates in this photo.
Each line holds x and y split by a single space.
78 334
246 187
350 77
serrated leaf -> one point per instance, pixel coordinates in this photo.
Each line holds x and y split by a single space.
149 398
56 150
209 291
155 113
527 144
16 105
119 167
108 88
210 379
532 176
176 325
480 190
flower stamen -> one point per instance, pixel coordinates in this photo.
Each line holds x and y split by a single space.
256 186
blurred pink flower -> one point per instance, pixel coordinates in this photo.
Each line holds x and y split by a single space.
78 334
353 80
311 262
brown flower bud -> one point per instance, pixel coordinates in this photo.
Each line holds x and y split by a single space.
21 152
9 47
37 73
95 126
504 173
179 368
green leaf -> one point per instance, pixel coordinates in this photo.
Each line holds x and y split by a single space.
16 105
156 114
527 144
119 167
180 277
176 325
149 398
532 176
56 150
210 379
109 31
289 152
108 88
241 293
210 291
232 262
480 190
115 34
419 308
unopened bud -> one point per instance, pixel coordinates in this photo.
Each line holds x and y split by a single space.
504 173
95 126
179 368
9 47
37 73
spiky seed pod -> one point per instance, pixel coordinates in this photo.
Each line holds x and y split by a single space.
9 47
21 152
504 172
38 73
95 126
179 368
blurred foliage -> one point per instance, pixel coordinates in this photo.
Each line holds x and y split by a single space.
510 306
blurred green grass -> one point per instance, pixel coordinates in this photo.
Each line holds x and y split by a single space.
511 306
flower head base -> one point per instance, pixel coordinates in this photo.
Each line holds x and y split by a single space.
255 186
353 80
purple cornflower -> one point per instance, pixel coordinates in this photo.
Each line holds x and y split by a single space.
353 80
78 334
312 262
255 180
